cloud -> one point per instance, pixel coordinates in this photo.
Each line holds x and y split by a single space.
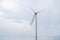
22 26
1 14
14 26
54 18
53 9
54 29
10 5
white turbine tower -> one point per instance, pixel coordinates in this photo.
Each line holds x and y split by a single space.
35 16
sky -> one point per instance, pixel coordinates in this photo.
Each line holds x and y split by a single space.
16 16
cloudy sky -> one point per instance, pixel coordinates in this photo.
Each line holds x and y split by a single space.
16 16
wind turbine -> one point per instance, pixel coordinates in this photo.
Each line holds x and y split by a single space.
35 16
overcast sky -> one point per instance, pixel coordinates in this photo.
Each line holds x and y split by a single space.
16 16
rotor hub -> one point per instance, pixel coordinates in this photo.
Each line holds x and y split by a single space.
35 13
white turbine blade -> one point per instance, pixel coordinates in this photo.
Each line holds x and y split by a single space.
32 9
40 11
33 19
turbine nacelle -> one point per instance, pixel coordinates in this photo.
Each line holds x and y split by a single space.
35 13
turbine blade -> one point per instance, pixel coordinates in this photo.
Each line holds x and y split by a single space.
33 19
40 11
32 9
